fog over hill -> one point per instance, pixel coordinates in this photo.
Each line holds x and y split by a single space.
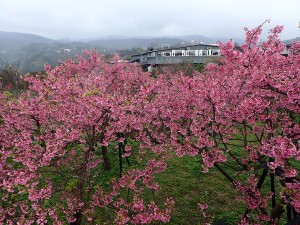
33 51
291 40
13 40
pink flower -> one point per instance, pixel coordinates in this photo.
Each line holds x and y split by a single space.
202 206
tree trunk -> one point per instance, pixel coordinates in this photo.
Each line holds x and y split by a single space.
78 216
106 161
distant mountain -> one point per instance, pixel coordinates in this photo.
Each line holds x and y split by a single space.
134 42
127 43
33 51
34 56
291 40
210 40
12 40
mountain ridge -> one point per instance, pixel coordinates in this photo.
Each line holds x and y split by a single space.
33 51
11 40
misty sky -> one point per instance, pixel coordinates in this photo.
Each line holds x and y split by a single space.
83 19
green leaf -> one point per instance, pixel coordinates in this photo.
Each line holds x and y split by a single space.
71 184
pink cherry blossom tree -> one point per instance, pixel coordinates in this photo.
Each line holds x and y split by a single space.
242 116
50 138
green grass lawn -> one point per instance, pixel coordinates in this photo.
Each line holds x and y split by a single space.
185 182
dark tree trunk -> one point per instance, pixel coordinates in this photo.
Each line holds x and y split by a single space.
106 161
78 216
120 159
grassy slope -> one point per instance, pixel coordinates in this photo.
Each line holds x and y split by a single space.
185 181
188 185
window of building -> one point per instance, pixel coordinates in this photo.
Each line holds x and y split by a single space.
204 52
151 54
191 52
178 52
166 53
215 52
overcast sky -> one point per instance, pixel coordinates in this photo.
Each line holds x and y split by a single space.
81 19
